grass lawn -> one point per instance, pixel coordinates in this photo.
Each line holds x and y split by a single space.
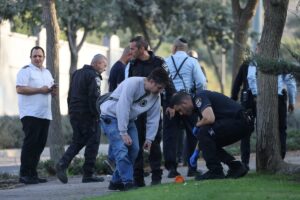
254 186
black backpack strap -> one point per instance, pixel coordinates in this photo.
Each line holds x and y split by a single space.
180 66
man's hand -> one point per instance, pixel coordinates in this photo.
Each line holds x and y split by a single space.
170 112
45 90
147 145
127 139
291 108
54 90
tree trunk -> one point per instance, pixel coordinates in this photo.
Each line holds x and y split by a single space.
55 138
241 18
267 147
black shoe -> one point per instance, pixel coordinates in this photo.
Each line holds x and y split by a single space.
156 182
28 180
110 166
236 170
210 175
173 173
115 186
139 183
193 173
90 179
40 180
61 173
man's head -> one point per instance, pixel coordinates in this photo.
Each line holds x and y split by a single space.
182 103
138 46
99 63
126 55
37 56
157 80
180 44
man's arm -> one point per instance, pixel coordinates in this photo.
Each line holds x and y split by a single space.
237 84
208 117
199 77
26 90
251 77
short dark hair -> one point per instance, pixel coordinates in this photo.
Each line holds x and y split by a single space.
140 42
178 98
160 76
36 48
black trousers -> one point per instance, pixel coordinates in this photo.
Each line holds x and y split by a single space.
86 133
36 133
171 131
212 139
282 120
155 155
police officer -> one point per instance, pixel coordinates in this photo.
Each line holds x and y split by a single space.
83 93
248 102
142 64
187 76
286 87
222 122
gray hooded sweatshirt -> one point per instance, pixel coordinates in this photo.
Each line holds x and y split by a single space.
125 107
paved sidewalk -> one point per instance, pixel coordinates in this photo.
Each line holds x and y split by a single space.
75 190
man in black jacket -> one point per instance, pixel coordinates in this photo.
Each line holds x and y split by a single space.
142 64
83 93
247 101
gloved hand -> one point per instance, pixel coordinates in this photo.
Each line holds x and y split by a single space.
195 130
194 158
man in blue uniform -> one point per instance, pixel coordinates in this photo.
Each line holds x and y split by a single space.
222 122
187 76
286 87
117 72
83 93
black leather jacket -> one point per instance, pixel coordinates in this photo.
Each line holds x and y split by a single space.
84 91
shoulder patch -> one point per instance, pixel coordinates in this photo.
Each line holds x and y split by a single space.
143 102
198 102
26 66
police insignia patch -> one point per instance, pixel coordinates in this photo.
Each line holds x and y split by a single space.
143 103
198 102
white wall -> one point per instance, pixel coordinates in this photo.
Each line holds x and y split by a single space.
14 54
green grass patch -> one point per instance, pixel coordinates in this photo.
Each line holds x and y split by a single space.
253 186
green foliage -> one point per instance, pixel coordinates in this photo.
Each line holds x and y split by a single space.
11 134
253 186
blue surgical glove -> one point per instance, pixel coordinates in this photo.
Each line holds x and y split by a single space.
194 158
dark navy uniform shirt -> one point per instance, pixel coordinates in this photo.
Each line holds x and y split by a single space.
222 106
116 75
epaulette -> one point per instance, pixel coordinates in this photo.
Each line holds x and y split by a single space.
26 66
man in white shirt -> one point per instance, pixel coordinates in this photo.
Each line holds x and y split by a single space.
34 86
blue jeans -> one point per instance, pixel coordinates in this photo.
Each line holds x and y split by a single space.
123 155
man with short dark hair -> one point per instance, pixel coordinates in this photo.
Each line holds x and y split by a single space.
222 122
84 90
134 96
34 86
187 76
142 64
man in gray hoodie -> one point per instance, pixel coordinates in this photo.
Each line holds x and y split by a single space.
134 96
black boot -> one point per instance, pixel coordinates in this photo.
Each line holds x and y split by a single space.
211 174
61 173
236 169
